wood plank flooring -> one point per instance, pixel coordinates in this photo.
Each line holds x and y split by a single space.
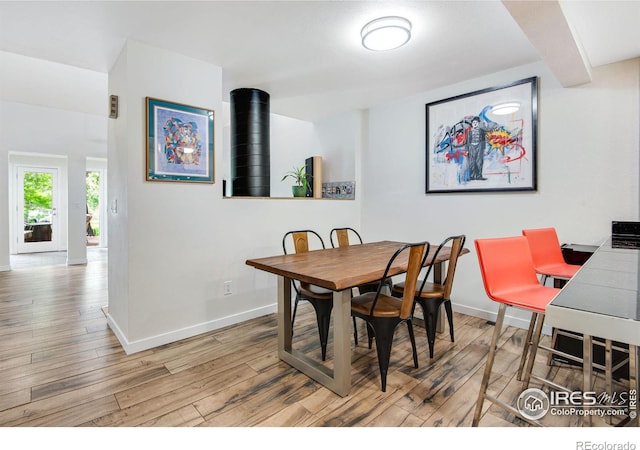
61 366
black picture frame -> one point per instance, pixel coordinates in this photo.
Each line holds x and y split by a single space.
472 147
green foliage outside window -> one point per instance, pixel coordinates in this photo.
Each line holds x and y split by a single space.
37 195
93 197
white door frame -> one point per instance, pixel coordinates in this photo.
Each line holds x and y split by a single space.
44 246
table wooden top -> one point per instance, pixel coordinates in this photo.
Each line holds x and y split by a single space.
343 267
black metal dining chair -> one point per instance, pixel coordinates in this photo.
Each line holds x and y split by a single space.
320 298
430 296
340 237
383 313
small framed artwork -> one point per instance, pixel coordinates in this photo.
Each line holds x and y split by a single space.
344 190
179 142
484 140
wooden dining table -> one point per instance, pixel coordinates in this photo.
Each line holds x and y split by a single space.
339 270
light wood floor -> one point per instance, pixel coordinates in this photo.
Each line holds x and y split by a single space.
61 366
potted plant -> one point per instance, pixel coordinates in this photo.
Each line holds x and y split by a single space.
301 179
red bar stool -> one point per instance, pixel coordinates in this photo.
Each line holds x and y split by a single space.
547 255
510 279
549 262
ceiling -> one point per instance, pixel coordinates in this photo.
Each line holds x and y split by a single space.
307 54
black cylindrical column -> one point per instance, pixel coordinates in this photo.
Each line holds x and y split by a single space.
250 152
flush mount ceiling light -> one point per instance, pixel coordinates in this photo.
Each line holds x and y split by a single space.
386 33
503 109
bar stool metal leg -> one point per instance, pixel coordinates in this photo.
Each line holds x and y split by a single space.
489 364
587 370
608 369
535 345
539 321
527 343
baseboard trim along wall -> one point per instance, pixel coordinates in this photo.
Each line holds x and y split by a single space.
166 338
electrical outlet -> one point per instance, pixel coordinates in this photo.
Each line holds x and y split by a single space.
227 288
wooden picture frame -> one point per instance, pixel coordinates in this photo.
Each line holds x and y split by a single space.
179 142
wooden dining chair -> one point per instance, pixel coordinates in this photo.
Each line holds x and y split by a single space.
320 298
430 296
340 237
343 237
383 313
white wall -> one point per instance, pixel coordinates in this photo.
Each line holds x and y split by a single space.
34 132
55 110
340 142
37 82
173 245
588 146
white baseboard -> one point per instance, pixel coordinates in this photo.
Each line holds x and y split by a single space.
176 335
75 262
491 316
173 336
5 268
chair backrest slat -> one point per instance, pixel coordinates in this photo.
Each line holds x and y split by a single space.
456 247
414 264
300 243
342 236
300 240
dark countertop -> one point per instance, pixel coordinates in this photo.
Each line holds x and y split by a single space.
607 284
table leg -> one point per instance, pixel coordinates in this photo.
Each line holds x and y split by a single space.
284 315
342 342
338 379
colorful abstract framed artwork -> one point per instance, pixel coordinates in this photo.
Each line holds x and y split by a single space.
484 140
179 142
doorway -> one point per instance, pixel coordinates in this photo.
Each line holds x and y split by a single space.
37 221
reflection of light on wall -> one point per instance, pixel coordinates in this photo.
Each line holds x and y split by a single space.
503 109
